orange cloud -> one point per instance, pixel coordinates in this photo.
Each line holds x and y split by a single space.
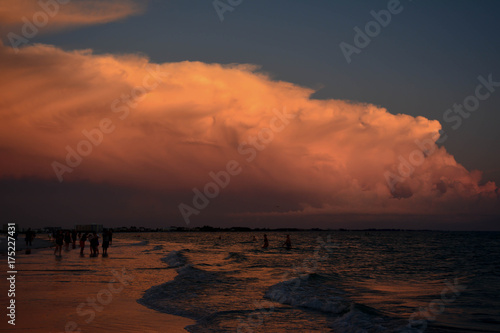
188 119
20 16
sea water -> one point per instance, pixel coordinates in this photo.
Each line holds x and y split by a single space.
330 281
337 281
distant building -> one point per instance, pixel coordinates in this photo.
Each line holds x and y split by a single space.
89 228
51 229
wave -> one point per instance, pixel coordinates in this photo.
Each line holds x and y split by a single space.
315 292
175 259
236 256
364 319
309 291
184 296
204 296
223 301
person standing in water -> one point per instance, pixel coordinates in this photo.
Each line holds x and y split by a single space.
105 242
287 243
59 242
266 242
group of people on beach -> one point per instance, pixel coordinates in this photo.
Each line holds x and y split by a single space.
287 244
70 237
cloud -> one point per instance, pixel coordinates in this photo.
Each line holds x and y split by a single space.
331 157
63 14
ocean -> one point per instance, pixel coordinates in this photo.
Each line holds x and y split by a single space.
348 281
330 281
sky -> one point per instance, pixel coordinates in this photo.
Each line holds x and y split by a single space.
330 114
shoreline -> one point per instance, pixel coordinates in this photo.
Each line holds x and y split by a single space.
37 243
55 294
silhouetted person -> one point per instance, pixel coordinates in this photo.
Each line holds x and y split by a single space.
59 242
67 239
287 243
105 242
83 239
28 238
254 239
266 242
110 236
73 237
89 238
94 245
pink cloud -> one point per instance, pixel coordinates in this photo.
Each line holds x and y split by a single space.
62 14
331 158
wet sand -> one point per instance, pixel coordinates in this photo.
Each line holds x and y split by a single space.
82 294
37 243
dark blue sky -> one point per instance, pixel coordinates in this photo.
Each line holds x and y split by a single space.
425 60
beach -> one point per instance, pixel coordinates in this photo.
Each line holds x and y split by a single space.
237 166
329 281
81 294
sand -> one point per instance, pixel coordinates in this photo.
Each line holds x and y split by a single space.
50 290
